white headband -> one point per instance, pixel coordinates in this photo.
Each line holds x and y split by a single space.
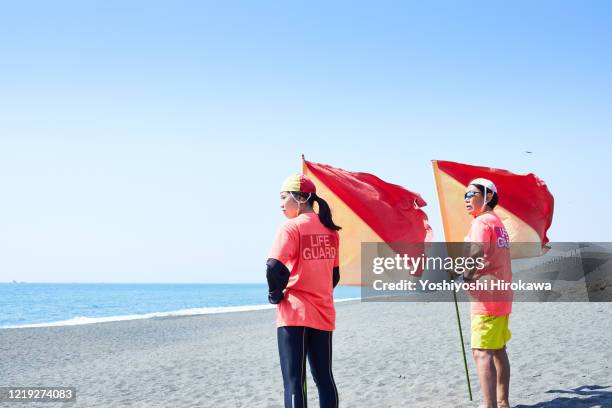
488 184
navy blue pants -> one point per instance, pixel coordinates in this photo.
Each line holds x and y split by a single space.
295 343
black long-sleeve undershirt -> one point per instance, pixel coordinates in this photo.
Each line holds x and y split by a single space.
336 278
277 276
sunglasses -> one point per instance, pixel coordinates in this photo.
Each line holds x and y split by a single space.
470 194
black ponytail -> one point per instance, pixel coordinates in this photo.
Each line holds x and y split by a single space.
324 212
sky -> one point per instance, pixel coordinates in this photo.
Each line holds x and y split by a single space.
146 141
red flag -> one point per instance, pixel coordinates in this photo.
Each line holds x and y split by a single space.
369 210
525 204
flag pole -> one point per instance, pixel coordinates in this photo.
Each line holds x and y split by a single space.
467 375
446 234
305 384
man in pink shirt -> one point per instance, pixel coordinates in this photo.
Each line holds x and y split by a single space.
490 309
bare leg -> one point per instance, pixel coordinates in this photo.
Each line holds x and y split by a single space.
502 366
487 376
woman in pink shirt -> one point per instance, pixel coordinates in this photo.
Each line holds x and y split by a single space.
490 310
302 271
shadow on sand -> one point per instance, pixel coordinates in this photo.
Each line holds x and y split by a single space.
585 396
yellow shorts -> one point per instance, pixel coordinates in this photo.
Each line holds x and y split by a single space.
490 332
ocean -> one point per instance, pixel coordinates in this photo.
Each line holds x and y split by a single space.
59 304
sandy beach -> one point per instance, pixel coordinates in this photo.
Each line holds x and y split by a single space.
385 355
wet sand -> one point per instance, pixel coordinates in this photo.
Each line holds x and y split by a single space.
385 355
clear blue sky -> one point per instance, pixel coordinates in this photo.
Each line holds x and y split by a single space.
146 141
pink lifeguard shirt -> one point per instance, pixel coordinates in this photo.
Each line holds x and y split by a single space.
310 251
488 230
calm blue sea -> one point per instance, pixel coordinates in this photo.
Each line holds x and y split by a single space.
49 304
